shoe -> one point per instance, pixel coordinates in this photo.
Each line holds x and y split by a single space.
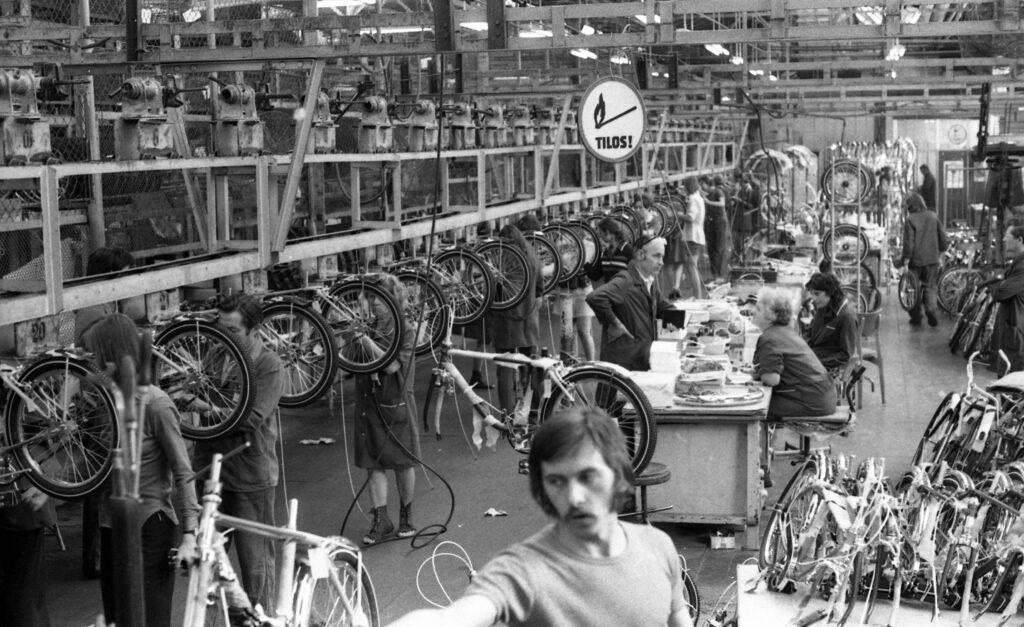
405 528
477 382
382 526
932 320
915 322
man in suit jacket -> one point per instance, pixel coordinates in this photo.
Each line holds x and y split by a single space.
628 306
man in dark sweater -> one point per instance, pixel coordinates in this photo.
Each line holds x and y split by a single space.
923 242
927 189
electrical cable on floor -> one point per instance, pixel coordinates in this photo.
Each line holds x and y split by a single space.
432 560
348 463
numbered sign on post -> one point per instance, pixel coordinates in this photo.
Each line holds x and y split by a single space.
35 336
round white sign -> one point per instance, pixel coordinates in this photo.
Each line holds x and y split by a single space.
612 119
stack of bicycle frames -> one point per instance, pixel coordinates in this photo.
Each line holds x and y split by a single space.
947 533
975 318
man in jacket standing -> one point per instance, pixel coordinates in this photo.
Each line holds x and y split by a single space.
628 306
927 189
923 242
1008 334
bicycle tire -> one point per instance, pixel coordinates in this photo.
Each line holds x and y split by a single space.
909 291
950 283
845 245
849 275
77 458
773 539
316 602
550 261
950 587
466 282
631 216
666 219
847 181
591 240
512 272
424 309
882 557
305 343
609 388
570 249
1009 570
368 326
690 593
209 365
943 417
800 515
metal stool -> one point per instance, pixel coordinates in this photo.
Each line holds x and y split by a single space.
654 474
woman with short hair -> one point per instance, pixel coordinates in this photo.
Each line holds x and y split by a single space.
832 334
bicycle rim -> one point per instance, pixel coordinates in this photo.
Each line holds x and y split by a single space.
570 249
513 276
68 445
909 291
197 359
690 593
302 339
600 386
550 262
466 283
325 602
425 310
367 325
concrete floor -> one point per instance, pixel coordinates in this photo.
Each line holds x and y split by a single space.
919 371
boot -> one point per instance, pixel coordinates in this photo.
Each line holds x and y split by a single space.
405 527
382 526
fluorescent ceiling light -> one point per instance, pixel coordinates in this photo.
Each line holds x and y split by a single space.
395 30
474 25
896 52
619 59
736 60
643 19
192 15
510 78
587 30
910 15
583 53
535 33
1001 70
726 99
332 4
756 72
773 77
716 49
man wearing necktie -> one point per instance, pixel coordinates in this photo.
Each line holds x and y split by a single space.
628 307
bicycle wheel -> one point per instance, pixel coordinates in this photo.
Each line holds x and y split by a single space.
200 360
367 325
773 548
943 421
466 283
609 388
424 309
589 237
324 602
1008 570
690 593
630 216
663 218
305 343
808 511
513 274
855 275
909 290
570 249
845 245
67 442
847 181
550 261
952 281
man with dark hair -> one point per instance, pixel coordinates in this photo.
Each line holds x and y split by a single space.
250 477
927 188
628 306
587 567
923 242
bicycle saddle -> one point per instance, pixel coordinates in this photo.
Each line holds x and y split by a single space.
1012 382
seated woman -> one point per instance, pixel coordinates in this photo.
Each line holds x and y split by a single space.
832 334
800 384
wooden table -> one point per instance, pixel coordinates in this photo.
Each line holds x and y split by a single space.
714 455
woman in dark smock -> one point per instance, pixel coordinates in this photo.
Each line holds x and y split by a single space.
380 426
801 386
